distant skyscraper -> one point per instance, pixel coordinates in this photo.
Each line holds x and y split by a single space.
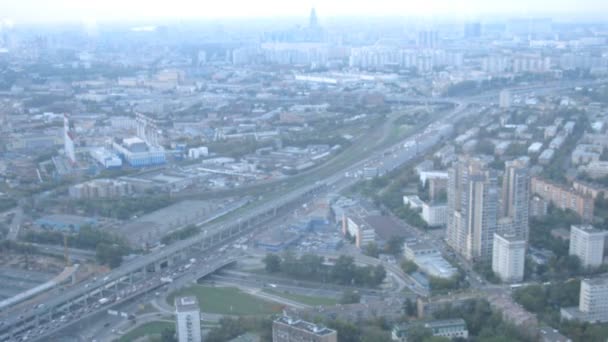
428 39
313 21
188 319
68 139
472 30
147 130
472 208
504 99
515 200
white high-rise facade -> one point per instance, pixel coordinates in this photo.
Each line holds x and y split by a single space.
188 319
472 208
515 199
504 99
587 243
593 300
508 257
68 140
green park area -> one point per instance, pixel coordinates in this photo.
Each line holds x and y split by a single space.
227 301
308 300
147 329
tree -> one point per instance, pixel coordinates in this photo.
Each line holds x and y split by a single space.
168 335
372 250
409 308
394 245
344 270
350 297
418 333
379 274
273 263
408 266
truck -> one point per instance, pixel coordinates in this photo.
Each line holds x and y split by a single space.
166 280
102 301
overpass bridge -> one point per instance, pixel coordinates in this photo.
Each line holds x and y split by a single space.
111 294
140 273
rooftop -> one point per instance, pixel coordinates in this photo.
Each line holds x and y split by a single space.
189 303
303 325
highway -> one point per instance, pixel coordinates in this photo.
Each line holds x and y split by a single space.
385 160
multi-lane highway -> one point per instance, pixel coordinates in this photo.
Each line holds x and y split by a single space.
136 274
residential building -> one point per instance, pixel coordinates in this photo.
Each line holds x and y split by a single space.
287 329
472 208
449 328
587 243
508 257
434 215
504 99
593 302
563 197
589 189
188 322
516 197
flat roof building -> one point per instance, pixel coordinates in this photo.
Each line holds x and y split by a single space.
287 329
587 243
593 302
508 257
188 322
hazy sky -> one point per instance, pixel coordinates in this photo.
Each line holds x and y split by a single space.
101 10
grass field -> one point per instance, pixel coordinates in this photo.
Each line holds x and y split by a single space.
227 301
151 328
308 300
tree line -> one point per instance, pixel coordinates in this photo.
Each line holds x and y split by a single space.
313 267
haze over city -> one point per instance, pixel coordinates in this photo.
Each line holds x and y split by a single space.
112 10
329 171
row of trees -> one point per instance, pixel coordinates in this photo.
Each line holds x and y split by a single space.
312 267
109 248
181 234
123 208
230 328
483 323
546 301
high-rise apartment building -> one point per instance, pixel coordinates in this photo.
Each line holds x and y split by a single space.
68 139
587 243
508 257
593 302
472 208
515 199
287 329
188 319
504 99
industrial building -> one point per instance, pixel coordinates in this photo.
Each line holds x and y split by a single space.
101 188
138 153
449 328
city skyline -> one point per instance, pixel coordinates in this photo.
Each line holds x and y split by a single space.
31 11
